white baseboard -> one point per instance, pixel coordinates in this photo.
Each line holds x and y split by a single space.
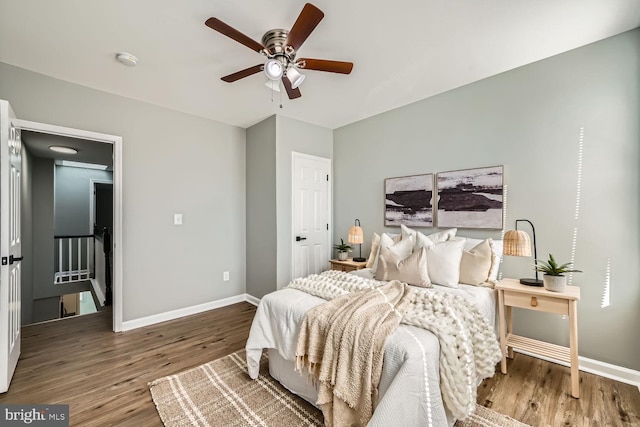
181 312
96 288
603 369
251 299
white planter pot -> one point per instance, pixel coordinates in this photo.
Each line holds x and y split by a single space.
342 256
555 283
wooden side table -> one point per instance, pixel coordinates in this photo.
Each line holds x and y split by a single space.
347 265
513 294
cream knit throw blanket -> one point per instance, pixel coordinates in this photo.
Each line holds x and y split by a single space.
341 343
469 349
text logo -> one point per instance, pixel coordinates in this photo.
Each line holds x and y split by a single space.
34 415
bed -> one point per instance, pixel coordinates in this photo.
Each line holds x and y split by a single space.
409 389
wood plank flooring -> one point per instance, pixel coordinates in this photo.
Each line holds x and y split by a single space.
538 393
103 376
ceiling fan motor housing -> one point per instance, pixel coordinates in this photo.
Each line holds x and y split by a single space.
275 40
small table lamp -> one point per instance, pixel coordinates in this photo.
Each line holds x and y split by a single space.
356 237
517 243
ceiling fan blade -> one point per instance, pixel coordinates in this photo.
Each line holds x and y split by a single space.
293 93
325 65
221 27
307 21
243 73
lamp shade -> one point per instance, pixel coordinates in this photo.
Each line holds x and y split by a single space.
273 69
516 243
355 236
295 77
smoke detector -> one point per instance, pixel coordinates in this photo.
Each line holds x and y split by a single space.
127 59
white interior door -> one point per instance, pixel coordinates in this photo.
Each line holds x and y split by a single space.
311 213
10 245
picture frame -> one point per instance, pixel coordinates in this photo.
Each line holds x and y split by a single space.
470 198
409 201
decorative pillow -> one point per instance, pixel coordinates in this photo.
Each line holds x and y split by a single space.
373 255
412 269
496 248
402 248
476 263
424 241
443 262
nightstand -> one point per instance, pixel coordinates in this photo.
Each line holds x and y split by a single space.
513 294
347 265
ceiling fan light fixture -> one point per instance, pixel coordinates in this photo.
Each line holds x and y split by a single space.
273 85
273 69
295 77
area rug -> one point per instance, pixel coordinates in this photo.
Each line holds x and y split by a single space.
485 417
220 393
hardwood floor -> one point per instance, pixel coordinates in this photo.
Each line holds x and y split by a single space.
103 376
538 393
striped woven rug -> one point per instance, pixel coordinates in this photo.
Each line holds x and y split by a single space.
220 393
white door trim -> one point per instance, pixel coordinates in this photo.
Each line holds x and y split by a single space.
295 155
117 199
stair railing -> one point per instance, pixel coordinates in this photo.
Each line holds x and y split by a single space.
75 258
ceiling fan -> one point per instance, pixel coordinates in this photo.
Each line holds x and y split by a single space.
280 47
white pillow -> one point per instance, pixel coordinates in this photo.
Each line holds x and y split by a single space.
373 255
402 248
443 262
475 264
372 261
424 241
411 270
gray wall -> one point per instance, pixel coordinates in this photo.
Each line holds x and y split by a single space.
172 163
261 208
43 245
293 135
269 239
529 120
26 221
72 199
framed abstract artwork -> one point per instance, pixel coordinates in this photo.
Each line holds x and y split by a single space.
470 198
408 201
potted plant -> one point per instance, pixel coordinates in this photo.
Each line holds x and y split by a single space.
343 250
554 278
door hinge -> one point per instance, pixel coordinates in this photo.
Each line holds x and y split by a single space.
327 177
327 226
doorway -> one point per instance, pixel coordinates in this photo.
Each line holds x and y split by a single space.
116 147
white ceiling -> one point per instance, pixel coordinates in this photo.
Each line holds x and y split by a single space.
403 50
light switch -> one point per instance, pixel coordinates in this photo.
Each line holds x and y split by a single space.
177 219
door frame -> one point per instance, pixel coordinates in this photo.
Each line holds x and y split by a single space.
116 141
296 155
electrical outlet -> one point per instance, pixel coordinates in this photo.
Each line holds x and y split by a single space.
177 219
225 276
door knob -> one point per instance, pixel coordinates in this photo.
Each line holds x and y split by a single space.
298 238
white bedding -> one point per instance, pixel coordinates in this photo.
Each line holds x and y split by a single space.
410 384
